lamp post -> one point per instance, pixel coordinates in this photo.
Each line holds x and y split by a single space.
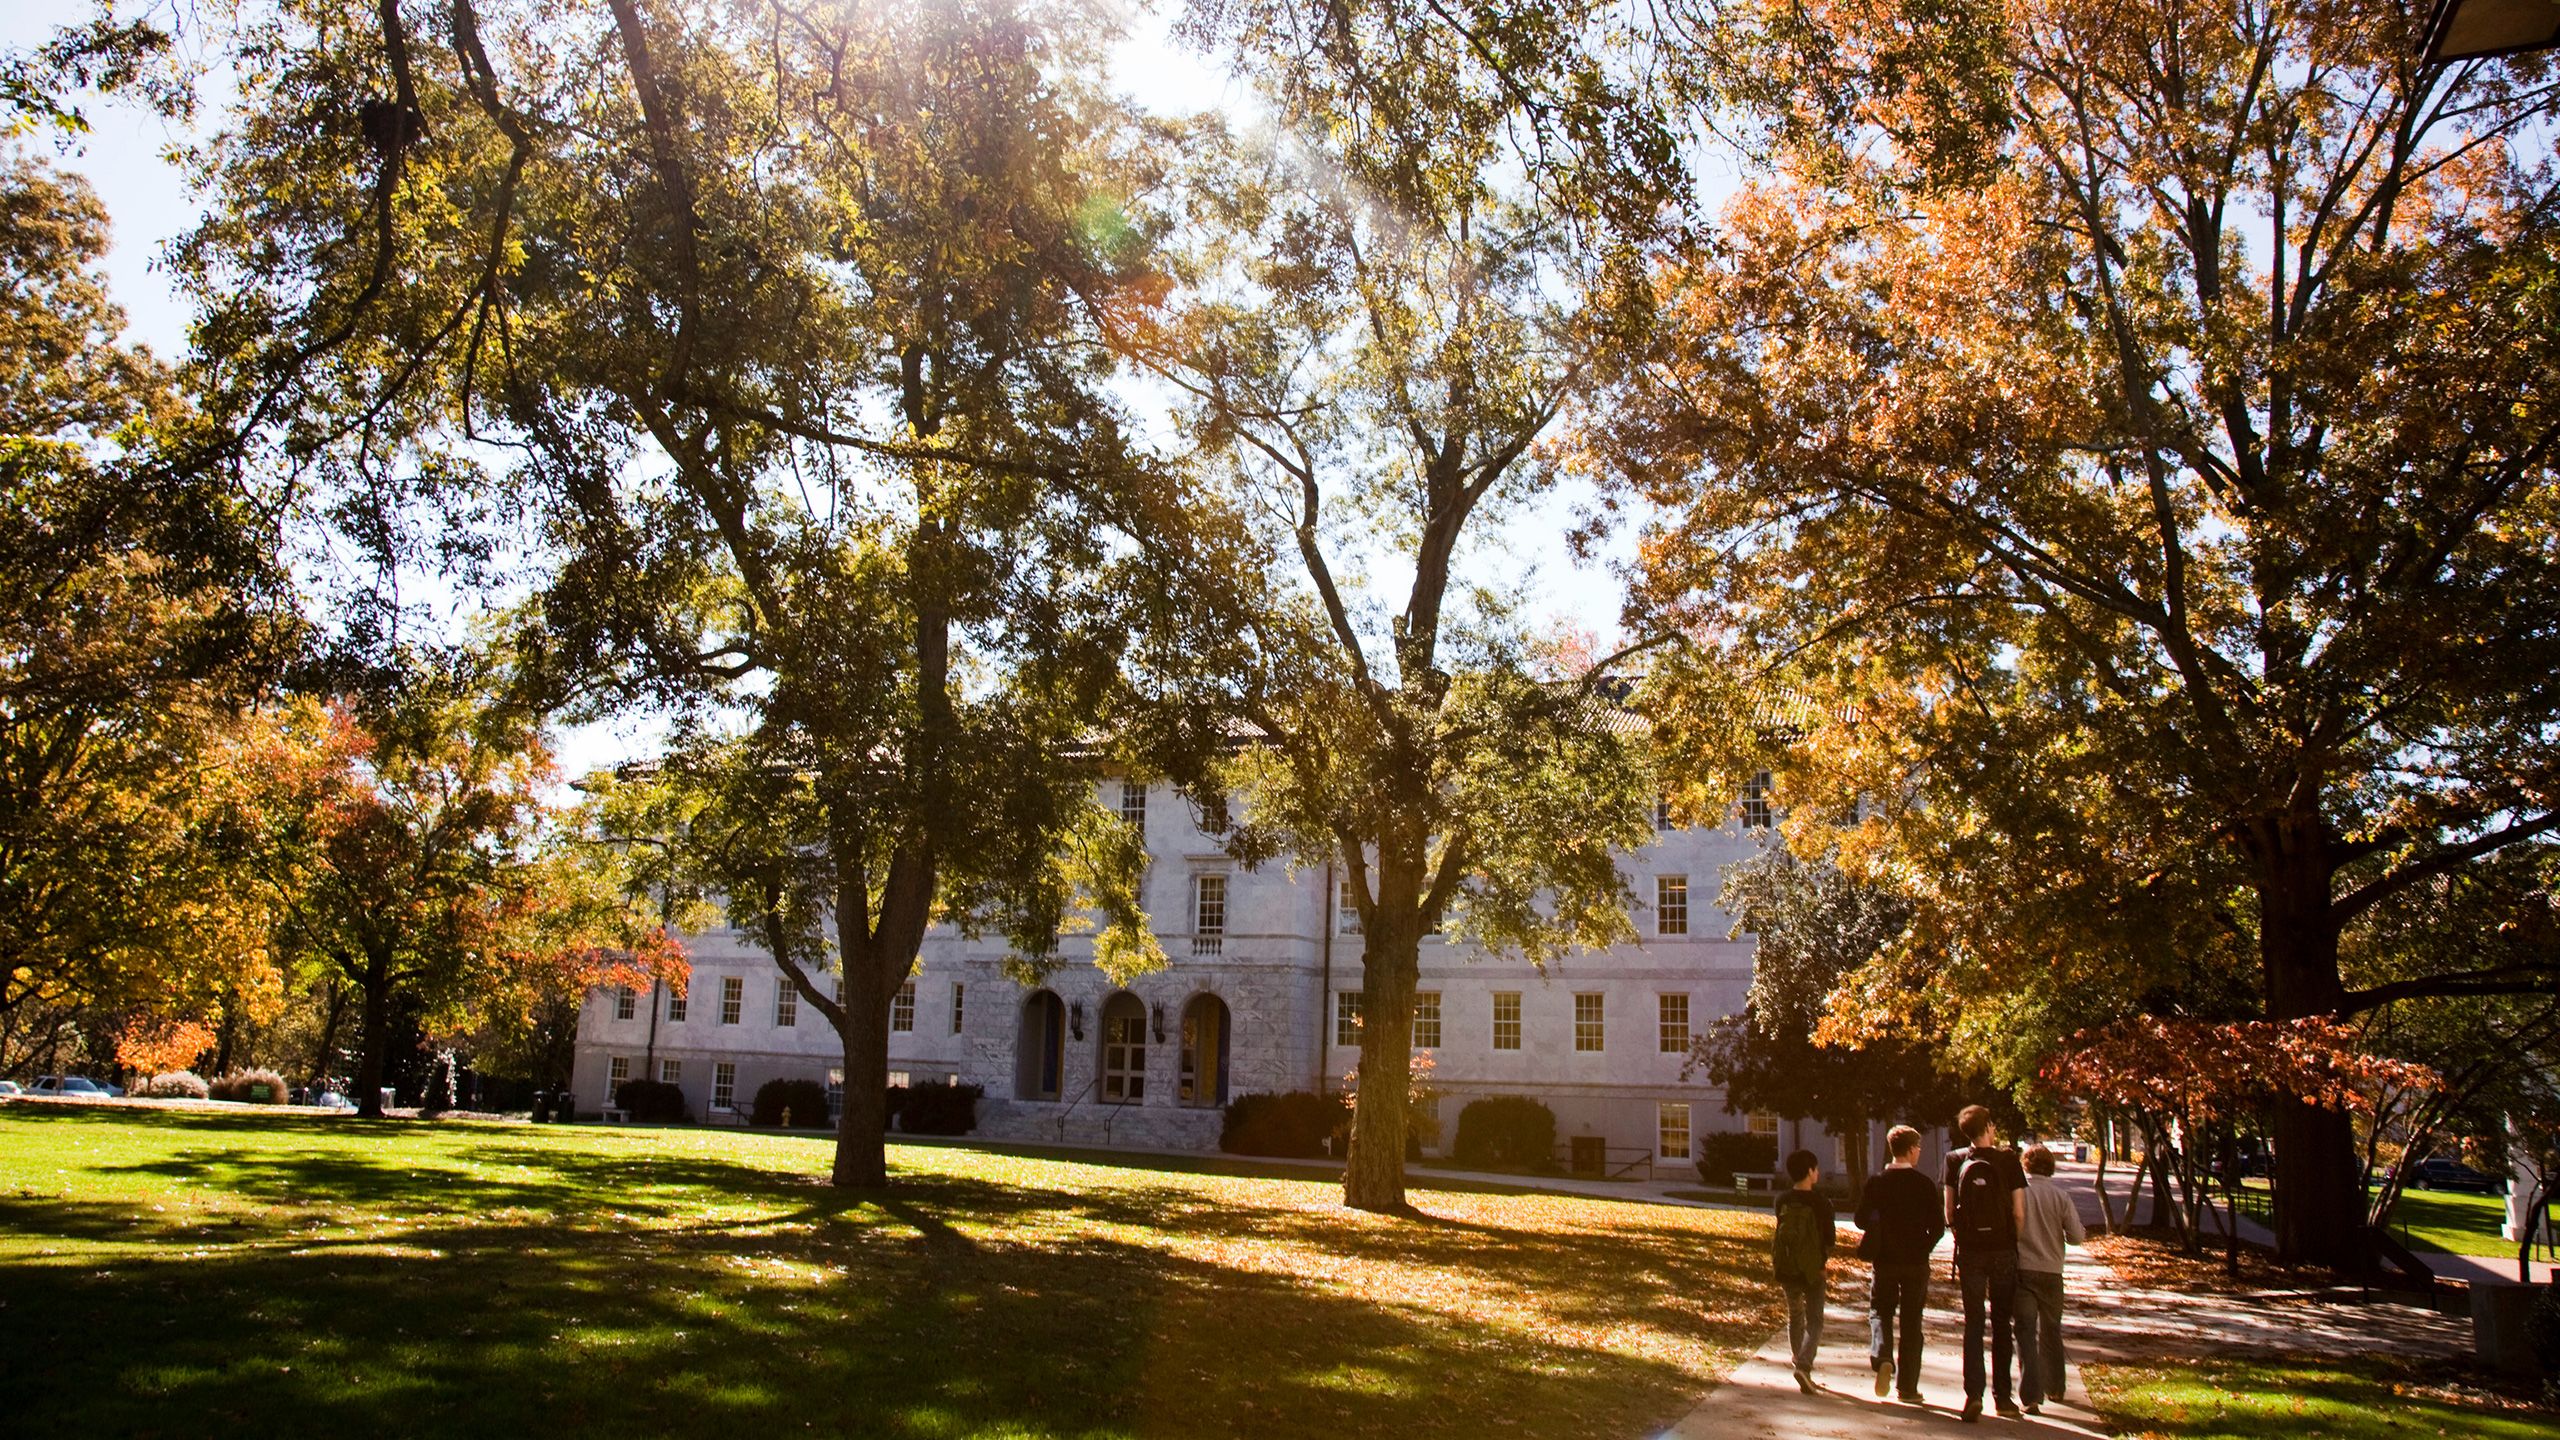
2479 29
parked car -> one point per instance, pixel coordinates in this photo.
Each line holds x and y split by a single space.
2443 1172
10 1087
72 1087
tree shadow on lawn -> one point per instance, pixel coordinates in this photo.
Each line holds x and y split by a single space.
487 1329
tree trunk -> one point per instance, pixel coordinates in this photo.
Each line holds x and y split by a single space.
862 1147
377 1041
2106 1207
2319 1194
324 1059
1373 1179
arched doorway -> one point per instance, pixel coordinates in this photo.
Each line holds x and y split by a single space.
1040 1049
1124 1050
1203 1078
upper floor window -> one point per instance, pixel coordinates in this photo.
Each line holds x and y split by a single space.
1671 904
902 1009
675 1006
733 999
1208 914
624 1002
1346 910
786 1003
1214 819
1506 1020
959 1005
1426 1020
1661 812
1587 1031
1346 1017
1133 805
1675 1024
1756 814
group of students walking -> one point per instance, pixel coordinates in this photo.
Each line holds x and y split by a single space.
2010 1223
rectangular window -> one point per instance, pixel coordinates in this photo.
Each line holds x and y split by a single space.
625 1003
835 1095
1675 1024
1426 1020
1346 911
617 1070
724 1086
1764 1122
959 1005
902 1009
1214 819
1133 805
733 999
1346 1017
1506 1020
786 1004
1671 904
899 1079
1587 1034
671 1072
1756 814
1208 914
675 1007
1671 1129
1661 812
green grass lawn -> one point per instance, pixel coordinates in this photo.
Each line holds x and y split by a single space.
190 1273
2453 1223
2373 1399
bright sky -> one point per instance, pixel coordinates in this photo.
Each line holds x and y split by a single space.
126 158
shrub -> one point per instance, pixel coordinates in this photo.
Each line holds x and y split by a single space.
939 1109
1727 1152
1294 1124
1505 1130
177 1085
651 1101
805 1100
244 1086
2542 1332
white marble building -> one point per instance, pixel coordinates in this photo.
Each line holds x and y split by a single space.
1261 995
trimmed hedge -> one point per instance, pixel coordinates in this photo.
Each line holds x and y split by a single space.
937 1109
1728 1152
242 1085
176 1085
1505 1130
651 1101
1295 1124
805 1100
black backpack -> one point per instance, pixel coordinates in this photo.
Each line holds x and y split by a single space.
1982 1203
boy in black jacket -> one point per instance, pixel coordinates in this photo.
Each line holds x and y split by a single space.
1902 1221
1800 1253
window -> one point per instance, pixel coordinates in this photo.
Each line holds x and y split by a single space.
724 1086
1661 812
1671 1129
786 1003
675 1007
1346 1017
1755 803
1506 1019
1426 1020
1124 1050
617 1070
1133 805
902 1009
899 1079
1587 1034
671 1072
1346 911
1208 914
1764 1122
1675 1024
959 1005
835 1095
624 1003
733 999
1671 904
1214 819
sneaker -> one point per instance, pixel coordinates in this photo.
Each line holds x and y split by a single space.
1804 1382
2008 1408
1911 1397
2035 1407
1973 1409
1884 1378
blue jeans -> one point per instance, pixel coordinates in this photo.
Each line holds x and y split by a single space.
1990 1282
1896 1297
2040 1358
1804 1323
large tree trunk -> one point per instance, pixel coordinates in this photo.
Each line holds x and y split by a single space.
377 1040
1373 1179
2319 1194
324 1056
862 1147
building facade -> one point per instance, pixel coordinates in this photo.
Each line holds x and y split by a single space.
1261 995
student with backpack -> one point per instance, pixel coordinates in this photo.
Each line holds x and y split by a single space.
1986 1199
1900 1222
1800 1253
2049 1222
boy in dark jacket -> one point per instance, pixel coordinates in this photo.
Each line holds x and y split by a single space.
1800 1253
1902 1222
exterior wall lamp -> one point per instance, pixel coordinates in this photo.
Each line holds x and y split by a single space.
1075 1019
1159 1019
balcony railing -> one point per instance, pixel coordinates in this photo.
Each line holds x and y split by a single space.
1209 944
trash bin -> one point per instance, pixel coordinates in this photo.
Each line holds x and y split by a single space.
1590 1154
563 1107
541 1106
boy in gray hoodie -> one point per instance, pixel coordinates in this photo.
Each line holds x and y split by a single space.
2049 1222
